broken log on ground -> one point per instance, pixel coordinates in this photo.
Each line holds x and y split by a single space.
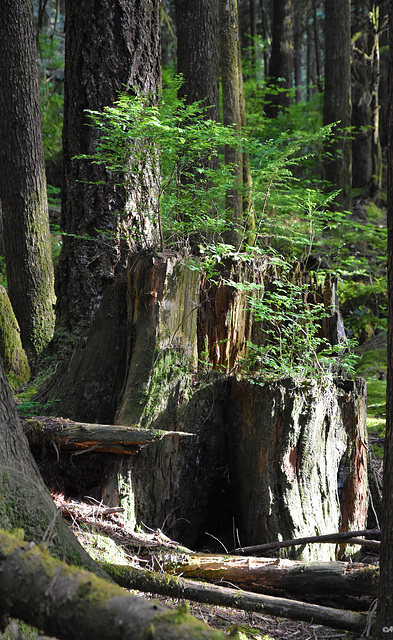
70 603
175 587
85 437
272 575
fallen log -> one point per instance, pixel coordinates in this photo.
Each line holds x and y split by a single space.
175 587
85 437
71 603
343 537
273 576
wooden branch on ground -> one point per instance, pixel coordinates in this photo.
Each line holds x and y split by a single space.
267 575
84 437
344 537
162 584
70 603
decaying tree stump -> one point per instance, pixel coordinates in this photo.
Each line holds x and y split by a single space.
268 461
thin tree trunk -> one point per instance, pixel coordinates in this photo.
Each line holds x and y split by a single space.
22 180
230 81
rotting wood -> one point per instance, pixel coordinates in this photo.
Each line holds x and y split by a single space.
269 575
343 537
163 584
84 437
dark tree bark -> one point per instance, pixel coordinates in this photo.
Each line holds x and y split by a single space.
337 100
281 58
384 622
111 46
22 179
198 52
300 17
366 148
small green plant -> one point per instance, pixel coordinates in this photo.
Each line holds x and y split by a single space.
292 345
162 152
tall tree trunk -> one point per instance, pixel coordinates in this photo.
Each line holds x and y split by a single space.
384 623
366 148
337 101
22 179
198 52
298 34
281 59
230 82
111 46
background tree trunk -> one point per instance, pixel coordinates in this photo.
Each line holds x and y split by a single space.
281 58
198 52
337 98
22 180
99 233
230 85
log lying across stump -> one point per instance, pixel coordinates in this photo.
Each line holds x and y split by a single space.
85 437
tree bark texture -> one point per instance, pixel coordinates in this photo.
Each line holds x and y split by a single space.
384 622
110 47
337 97
72 604
131 578
366 147
22 180
268 459
198 52
25 502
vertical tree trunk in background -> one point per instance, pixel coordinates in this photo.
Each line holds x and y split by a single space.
253 34
198 52
298 33
230 84
22 179
281 58
366 147
111 46
384 620
337 100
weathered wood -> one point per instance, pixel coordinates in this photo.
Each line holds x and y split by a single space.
132 578
269 575
269 458
69 603
85 437
343 536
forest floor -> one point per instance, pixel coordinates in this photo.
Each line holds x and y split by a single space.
103 534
